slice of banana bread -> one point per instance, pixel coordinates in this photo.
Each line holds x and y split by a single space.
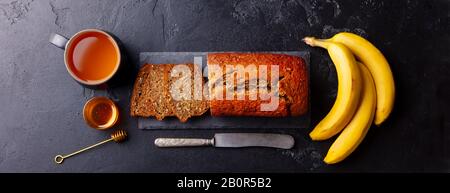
152 95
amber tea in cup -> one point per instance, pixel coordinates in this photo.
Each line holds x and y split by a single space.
92 57
100 113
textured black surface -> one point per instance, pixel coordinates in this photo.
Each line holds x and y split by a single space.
40 105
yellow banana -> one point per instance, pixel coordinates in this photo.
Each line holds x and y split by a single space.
349 89
356 130
378 66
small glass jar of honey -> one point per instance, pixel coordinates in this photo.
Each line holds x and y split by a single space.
100 113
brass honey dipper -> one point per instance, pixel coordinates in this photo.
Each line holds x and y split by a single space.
117 136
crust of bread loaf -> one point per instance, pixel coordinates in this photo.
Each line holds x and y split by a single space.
293 85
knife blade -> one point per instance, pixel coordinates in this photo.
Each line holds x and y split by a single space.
234 140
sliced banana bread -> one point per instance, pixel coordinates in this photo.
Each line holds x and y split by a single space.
152 95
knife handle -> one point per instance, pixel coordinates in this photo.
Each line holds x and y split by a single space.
183 142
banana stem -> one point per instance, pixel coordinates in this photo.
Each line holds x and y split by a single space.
312 41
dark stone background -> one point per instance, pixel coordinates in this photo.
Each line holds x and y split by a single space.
40 105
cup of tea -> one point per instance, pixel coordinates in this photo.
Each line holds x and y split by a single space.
92 57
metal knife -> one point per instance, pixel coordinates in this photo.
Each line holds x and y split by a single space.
232 140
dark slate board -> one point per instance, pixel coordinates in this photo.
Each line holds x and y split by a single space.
206 121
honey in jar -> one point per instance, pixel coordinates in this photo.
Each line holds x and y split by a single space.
100 113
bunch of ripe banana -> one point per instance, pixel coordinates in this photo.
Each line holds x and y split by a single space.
365 93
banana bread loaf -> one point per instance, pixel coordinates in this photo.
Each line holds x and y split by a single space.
291 97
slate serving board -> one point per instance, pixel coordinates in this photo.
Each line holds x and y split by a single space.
206 121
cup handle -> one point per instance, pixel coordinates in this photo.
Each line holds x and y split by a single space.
58 40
